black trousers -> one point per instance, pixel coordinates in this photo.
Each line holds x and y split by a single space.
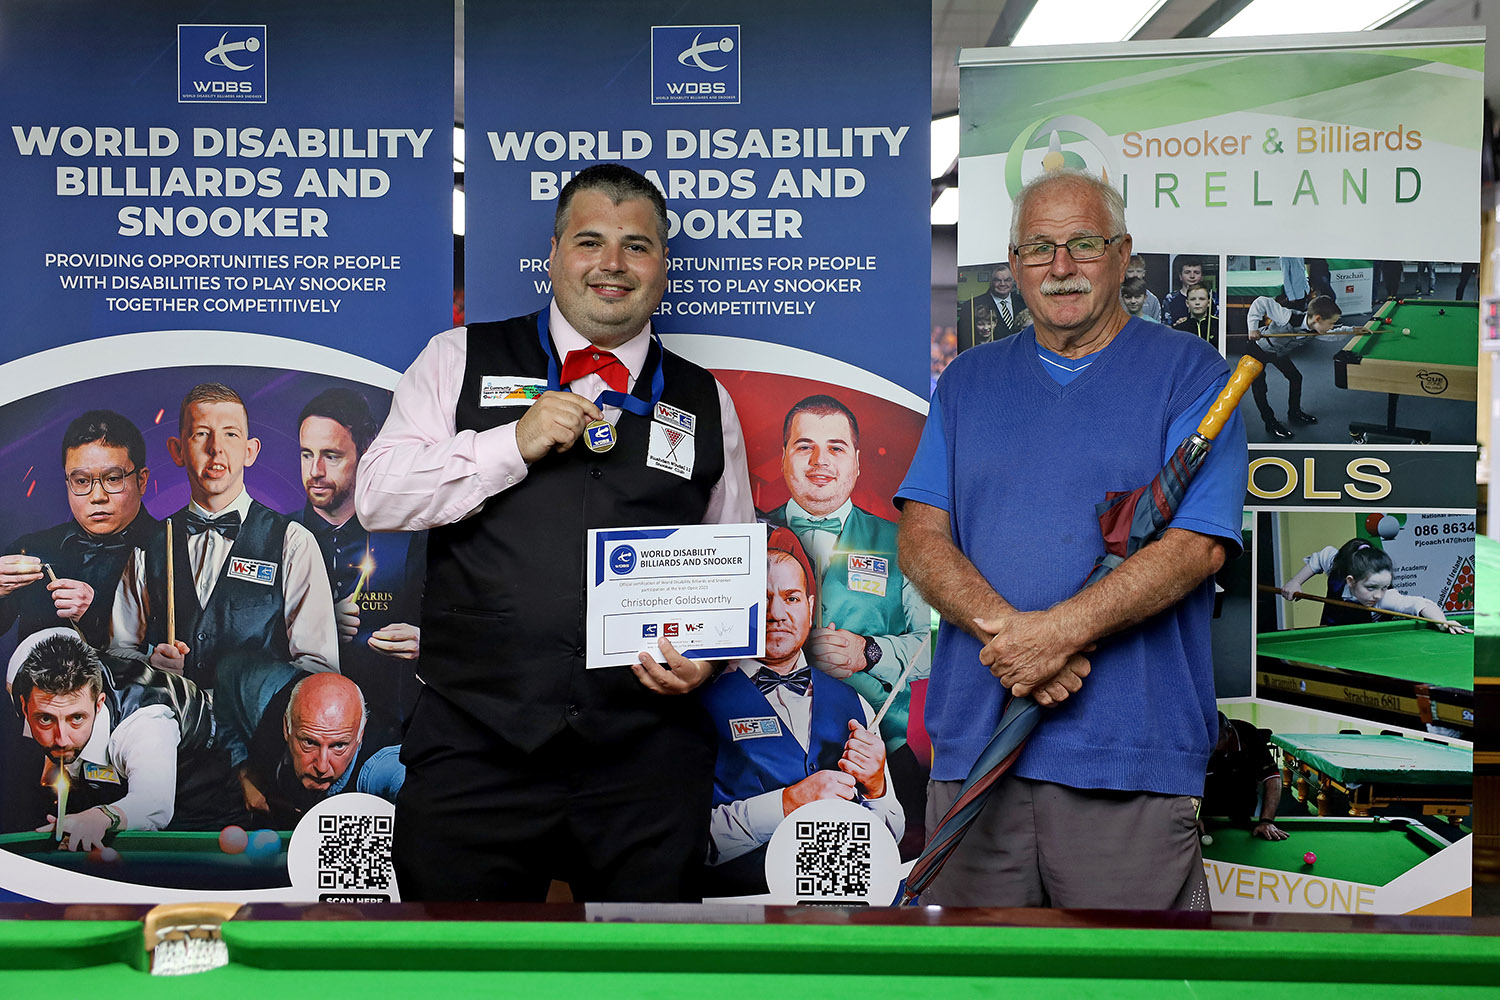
478 819
1284 364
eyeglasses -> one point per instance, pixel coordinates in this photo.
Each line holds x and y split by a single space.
113 481
1079 248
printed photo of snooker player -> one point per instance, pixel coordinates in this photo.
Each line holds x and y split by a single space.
990 306
1147 283
282 478
825 461
1367 615
1300 817
776 719
1367 716
764 380
1379 352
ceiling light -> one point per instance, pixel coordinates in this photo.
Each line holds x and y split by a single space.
945 209
1069 22
944 145
1281 17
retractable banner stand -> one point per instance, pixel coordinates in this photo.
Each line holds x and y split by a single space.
791 142
1307 200
253 197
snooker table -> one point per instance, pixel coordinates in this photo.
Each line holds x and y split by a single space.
1400 672
1362 865
176 860
1415 777
1439 359
676 953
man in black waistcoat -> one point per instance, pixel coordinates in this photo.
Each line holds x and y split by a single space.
248 584
104 465
508 441
376 576
137 743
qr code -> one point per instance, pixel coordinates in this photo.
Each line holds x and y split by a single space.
354 852
833 859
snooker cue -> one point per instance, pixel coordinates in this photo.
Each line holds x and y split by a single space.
1380 756
1356 331
71 621
60 785
1347 604
1373 328
171 591
890 699
1375 331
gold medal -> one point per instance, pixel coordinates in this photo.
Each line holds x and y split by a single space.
599 435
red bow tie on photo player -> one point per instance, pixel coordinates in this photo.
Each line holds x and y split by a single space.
589 362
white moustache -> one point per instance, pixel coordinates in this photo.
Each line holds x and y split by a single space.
1066 286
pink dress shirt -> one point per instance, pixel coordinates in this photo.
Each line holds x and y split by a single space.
421 472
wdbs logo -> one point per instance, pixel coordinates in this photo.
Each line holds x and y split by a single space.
221 62
697 64
622 560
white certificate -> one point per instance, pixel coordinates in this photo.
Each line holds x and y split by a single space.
701 585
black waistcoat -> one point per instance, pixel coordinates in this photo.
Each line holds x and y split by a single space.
75 555
503 613
243 618
208 796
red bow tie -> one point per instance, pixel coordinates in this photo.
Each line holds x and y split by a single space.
590 361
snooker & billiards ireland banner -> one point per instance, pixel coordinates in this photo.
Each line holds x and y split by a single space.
227 231
1307 201
1318 142
796 182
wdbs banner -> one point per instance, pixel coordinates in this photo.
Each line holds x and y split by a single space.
792 181
227 228
796 182
1308 202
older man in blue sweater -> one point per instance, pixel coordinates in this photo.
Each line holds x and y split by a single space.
998 532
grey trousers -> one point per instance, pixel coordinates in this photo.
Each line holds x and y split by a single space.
1040 844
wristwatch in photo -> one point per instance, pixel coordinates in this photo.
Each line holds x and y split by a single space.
114 819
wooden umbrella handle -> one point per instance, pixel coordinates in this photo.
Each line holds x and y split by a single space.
1218 414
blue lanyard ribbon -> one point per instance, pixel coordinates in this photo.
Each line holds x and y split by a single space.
609 397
